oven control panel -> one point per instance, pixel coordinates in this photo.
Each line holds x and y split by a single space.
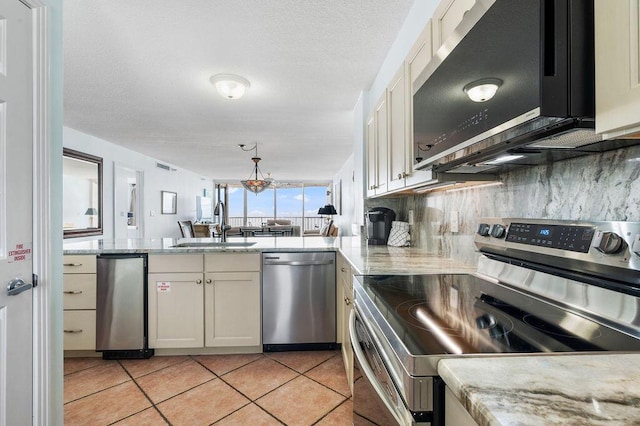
607 243
565 237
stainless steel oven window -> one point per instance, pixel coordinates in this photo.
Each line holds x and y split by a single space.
375 398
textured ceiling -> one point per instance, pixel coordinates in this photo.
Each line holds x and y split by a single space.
137 74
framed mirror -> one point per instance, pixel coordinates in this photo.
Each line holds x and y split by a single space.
81 194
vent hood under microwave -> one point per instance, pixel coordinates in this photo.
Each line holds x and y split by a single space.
540 54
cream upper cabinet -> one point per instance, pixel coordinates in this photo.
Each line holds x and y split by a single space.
446 18
617 49
382 142
398 97
417 60
372 160
419 56
377 142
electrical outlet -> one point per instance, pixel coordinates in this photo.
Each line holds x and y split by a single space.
455 221
410 217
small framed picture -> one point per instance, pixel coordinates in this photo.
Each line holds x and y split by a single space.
169 202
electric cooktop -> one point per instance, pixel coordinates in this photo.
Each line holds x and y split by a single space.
465 314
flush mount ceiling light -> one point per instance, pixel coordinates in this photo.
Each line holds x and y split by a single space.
482 90
255 185
230 86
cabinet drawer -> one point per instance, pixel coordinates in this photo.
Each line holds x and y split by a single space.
232 262
79 291
79 264
175 263
79 330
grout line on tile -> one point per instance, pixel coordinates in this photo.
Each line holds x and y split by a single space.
154 371
230 371
331 411
97 392
85 369
145 395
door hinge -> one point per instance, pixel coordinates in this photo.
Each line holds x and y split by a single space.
34 280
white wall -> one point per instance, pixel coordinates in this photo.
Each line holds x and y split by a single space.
183 182
345 180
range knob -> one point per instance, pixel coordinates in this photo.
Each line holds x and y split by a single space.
497 231
483 229
610 243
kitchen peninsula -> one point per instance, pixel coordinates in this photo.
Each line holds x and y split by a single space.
365 260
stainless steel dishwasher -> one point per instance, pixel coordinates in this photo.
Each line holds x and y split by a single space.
298 300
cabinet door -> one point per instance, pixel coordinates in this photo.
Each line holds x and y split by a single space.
370 144
176 310
417 60
617 44
398 126
232 309
446 18
347 350
382 143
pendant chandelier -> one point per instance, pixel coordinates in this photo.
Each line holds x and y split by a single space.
255 184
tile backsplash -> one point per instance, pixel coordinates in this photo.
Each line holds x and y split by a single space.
594 187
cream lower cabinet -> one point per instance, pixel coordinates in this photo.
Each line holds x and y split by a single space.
79 301
191 308
176 310
454 412
232 309
232 300
176 301
345 276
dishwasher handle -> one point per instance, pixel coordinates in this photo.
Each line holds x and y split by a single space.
297 262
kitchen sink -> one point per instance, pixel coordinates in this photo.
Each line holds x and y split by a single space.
215 244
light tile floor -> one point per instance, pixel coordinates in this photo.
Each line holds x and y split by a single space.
291 388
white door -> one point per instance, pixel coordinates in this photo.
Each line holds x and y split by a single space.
16 206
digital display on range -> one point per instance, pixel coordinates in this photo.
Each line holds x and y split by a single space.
563 237
544 232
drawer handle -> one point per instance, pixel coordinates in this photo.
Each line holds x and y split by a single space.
72 264
73 292
77 330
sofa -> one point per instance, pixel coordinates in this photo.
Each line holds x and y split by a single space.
274 224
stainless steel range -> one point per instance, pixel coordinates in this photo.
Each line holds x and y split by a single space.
541 286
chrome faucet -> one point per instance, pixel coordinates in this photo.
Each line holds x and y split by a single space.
219 211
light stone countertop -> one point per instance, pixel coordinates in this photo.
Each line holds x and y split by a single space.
366 260
547 389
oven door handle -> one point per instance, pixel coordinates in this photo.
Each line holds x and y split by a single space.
367 371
